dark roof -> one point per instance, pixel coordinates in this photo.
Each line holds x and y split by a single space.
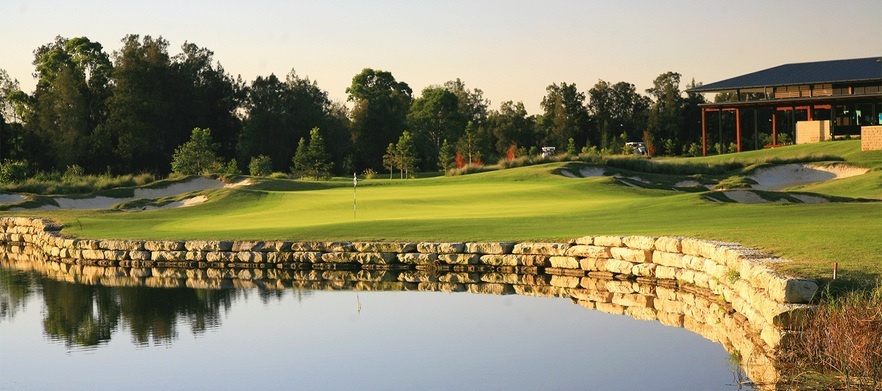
819 72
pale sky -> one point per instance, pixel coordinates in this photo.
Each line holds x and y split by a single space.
510 49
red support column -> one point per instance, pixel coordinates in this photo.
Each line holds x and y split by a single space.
738 128
703 131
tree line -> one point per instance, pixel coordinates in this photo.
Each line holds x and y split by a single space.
131 110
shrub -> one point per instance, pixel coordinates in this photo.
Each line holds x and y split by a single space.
196 156
260 166
12 171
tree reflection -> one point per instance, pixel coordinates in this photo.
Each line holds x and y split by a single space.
77 314
152 314
15 288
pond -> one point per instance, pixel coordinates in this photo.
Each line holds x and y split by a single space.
74 327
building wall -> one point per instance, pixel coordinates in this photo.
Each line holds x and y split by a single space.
871 138
812 131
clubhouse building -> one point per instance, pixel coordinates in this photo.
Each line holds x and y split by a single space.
802 103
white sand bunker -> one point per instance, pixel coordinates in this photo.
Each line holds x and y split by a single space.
11 198
193 185
750 197
790 175
585 172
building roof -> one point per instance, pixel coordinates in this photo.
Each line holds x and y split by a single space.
818 72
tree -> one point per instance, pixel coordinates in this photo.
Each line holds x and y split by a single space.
312 160
390 159
615 109
472 104
140 128
565 115
407 156
446 156
260 166
196 156
378 115
435 117
666 113
510 125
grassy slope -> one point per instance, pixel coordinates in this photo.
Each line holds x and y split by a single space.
528 203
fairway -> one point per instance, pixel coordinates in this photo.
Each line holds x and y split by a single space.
530 203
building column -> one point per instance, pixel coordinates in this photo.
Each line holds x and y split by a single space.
755 129
738 128
774 128
703 131
720 129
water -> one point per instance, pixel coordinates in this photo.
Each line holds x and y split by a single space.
326 336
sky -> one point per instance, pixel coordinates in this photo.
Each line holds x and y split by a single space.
512 50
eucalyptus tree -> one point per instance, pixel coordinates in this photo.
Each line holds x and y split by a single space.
616 109
666 114
511 125
69 101
141 127
378 116
565 115
471 101
433 118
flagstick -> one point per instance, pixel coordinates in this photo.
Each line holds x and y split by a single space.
354 191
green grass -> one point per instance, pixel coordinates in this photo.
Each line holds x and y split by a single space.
531 203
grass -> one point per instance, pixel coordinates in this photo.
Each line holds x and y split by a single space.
535 203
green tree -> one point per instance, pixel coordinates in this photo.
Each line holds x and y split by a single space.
378 115
472 104
196 156
666 113
446 156
510 125
140 128
260 166
407 155
434 117
565 115
390 159
312 160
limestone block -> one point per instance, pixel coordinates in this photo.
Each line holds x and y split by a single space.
460 259
122 245
116 255
685 275
610 308
138 255
306 257
163 245
308 247
531 248
666 272
86 244
592 264
336 246
501 260
644 270
640 242
564 262
631 254
247 245
608 241
565 281
384 247
208 245
588 251
664 258
698 247
92 254
417 258
584 241
441 248
619 286
618 266
250 256
592 295
641 313
167 255
496 248
587 304
220 256
668 244
632 299
791 290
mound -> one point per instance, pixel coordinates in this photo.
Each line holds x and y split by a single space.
790 175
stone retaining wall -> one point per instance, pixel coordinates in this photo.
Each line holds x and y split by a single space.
741 278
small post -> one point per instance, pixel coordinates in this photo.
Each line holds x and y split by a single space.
354 191
835 269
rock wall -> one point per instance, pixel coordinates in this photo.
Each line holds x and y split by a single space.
741 278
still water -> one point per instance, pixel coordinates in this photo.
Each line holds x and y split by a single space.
60 335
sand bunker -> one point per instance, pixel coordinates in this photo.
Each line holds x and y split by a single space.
750 197
11 198
102 202
585 172
790 175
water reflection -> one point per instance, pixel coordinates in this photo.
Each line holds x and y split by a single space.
86 305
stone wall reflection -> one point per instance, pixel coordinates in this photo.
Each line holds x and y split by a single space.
83 309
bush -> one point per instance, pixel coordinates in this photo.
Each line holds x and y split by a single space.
196 156
260 166
13 171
